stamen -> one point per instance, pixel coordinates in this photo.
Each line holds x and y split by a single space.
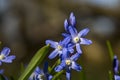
76 39
40 77
59 47
68 62
2 56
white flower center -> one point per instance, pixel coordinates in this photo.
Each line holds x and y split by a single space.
2 56
59 47
68 62
40 77
76 39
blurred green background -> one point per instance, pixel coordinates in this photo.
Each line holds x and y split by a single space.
26 24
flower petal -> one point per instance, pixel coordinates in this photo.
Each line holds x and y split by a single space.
38 71
85 41
78 48
0 63
72 19
117 77
66 25
70 49
68 74
72 45
75 57
53 44
65 53
60 67
65 42
53 54
9 59
5 51
72 31
75 66
50 77
83 32
65 35
115 64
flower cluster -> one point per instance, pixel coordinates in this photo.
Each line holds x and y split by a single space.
115 68
69 49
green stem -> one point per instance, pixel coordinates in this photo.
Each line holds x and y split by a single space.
52 69
111 57
57 75
110 75
110 50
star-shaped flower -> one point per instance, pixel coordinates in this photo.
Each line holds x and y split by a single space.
59 46
115 65
115 68
77 38
4 56
39 74
69 63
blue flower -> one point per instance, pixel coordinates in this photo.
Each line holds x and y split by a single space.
77 38
116 77
59 47
39 74
68 63
4 56
115 65
115 68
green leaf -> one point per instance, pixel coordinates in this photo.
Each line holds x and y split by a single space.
36 60
110 50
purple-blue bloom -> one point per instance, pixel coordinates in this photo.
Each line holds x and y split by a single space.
64 48
115 68
77 38
39 74
68 63
4 56
115 64
59 47
116 77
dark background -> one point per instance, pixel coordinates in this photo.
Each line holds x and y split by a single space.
26 24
